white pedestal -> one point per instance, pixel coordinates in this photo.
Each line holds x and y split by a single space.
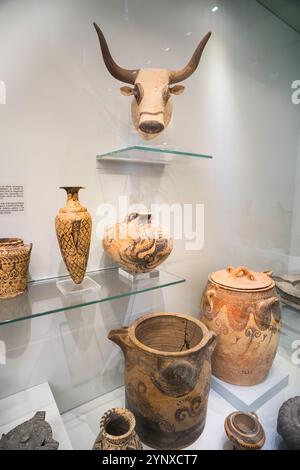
22 406
68 287
251 398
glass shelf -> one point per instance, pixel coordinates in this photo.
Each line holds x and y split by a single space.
143 154
44 297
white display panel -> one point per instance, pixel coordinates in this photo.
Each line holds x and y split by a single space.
16 409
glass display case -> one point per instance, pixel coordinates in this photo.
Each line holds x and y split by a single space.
183 247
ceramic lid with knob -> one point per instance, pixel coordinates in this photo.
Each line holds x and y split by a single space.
241 278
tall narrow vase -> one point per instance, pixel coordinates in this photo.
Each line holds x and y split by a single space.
73 226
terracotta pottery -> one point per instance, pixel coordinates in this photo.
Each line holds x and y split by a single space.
244 431
73 226
288 423
14 264
138 244
167 377
117 431
34 434
243 309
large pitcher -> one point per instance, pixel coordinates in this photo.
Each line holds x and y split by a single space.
167 377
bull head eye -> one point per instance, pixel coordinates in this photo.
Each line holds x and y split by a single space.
138 92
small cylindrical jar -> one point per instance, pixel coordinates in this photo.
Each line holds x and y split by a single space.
117 431
14 264
243 309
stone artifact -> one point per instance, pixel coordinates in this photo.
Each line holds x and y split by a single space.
288 423
34 434
151 107
167 377
117 431
138 244
73 226
14 264
243 308
244 431
288 286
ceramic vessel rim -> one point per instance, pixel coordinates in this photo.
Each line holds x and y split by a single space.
236 289
132 328
11 242
131 422
234 439
66 188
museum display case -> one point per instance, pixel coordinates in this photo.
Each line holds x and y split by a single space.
183 246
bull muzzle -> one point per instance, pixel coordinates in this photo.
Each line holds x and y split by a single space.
150 124
151 127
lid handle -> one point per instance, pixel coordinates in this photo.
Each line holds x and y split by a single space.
241 271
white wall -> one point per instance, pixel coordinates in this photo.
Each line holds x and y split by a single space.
294 261
62 108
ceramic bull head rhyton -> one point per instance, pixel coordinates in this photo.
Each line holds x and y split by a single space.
151 106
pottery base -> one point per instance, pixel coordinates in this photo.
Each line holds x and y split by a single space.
251 398
68 287
133 277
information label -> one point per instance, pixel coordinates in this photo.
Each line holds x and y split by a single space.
12 199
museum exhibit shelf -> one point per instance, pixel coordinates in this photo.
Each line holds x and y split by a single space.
82 422
20 407
44 297
152 155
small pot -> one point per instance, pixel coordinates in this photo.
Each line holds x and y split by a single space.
14 264
244 431
242 307
117 431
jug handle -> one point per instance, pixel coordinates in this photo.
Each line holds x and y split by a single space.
212 342
120 337
210 296
264 304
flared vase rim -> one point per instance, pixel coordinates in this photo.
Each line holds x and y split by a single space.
131 422
69 188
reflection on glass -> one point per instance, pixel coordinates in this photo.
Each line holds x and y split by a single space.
44 297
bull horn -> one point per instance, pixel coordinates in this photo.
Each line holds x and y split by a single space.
182 74
124 75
